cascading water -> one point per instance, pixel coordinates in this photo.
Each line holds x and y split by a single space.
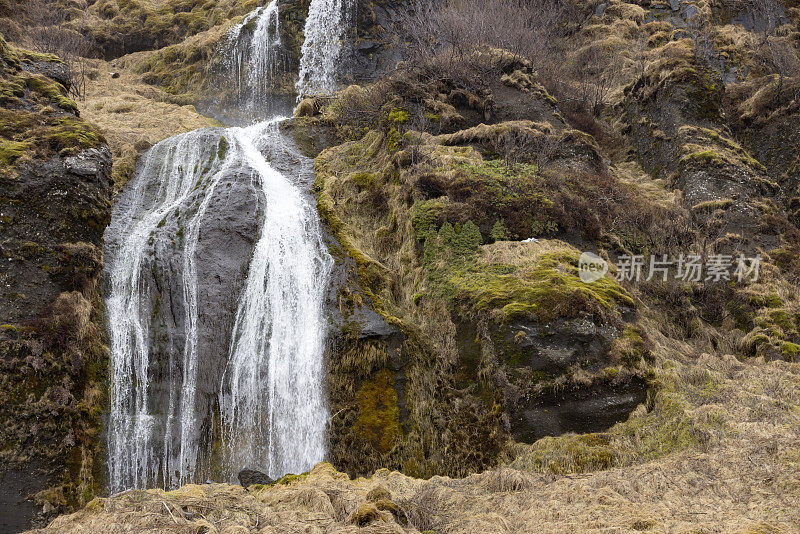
149 441
271 399
321 54
256 56
217 276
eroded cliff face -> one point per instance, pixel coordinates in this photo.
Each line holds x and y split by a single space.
483 343
431 185
55 172
462 337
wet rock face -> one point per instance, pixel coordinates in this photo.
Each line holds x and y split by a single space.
537 354
54 70
226 235
557 345
579 410
374 52
373 36
680 132
228 232
248 477
180 249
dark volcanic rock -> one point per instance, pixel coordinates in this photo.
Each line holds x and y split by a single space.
53 210
533 357
575 409
248 477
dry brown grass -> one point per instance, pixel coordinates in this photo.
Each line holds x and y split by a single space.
716 450
744 477
133 115
654 189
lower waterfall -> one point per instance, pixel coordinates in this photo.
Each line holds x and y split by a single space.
271 410
216 280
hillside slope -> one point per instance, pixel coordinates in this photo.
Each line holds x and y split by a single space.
462 189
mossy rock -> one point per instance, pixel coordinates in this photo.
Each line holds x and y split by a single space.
545 287
378 421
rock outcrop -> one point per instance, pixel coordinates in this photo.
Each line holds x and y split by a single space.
56 202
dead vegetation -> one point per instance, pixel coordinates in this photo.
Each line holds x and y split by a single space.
730 440
132 114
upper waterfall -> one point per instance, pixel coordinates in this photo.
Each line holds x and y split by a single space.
325 31
254 61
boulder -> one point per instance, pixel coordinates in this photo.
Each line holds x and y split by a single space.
248 477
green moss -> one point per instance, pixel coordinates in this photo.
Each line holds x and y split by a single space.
516 194
53 91
549 289
780 318
426 217
11 150
398 116
773 300
378 420
706 157
364 180
37 57
222 148
290 478
73 133
394 129
790 350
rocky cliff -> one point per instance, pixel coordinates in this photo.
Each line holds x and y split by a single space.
459 192
55 206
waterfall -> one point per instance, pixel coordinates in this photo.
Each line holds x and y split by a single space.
216 281
275 356
181 170
322 51
255 57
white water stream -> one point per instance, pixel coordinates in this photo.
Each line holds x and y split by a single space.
271 412
325 32
255 56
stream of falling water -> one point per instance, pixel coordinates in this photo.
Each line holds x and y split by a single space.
255 57
271 397
325 31
272 412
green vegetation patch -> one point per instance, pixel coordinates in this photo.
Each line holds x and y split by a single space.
37 119
776 332
543 285
378 420
494 190
549 290
23 133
